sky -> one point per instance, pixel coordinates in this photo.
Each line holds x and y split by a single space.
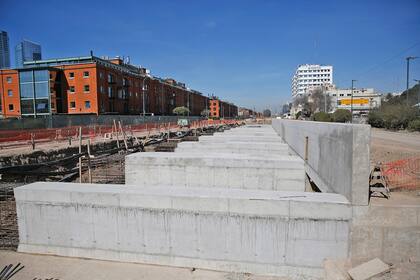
244 51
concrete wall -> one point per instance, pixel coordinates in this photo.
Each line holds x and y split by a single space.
338 155
215 170
262 232
390 231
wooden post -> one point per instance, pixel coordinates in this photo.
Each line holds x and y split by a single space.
123 134
80 154
306 147
69 140
89 168
116 130
33 141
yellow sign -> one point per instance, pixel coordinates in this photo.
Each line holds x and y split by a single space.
357 101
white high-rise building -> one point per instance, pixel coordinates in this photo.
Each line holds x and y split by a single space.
309 76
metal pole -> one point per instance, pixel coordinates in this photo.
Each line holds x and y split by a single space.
351 102
418 94
408 75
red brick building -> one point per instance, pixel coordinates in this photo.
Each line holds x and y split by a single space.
222 109
93 85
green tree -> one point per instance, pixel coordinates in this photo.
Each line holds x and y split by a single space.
341 115
181 111
322 117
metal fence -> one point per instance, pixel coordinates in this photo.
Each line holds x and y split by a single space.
403 174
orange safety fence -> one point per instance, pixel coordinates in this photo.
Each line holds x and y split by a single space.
403 174
50 134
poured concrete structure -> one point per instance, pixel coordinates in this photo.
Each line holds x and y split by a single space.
337 155
262 232
242 138
256 148
219 170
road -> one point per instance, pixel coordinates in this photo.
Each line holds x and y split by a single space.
388 146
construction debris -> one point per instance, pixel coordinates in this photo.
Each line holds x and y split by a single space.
368 269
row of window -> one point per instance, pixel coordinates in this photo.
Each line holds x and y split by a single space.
85 74
73 104
72 89
315 75
314 71
315 80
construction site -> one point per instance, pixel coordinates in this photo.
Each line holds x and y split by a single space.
208 199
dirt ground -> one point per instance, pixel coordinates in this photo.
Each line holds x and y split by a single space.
386 146
42 267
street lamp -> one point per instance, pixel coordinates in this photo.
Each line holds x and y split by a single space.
408 72
143 90
351 100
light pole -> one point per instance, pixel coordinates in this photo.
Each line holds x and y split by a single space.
143 90
351 100
418 94
408 73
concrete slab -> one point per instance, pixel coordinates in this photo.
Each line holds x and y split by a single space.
215 170
368 270
235 138
256 149
222 229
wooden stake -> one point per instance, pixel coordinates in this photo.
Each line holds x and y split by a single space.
123 134
33 141
80 154
116 130
89 169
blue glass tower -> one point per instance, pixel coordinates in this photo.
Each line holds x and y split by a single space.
27 51
4 50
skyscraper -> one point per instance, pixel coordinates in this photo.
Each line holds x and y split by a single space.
4 50
27 51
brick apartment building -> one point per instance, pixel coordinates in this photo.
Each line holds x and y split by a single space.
222 109
93 85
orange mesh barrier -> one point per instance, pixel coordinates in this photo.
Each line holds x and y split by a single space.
403 174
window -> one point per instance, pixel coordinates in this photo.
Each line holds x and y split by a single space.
72 105
101 75
71 75
86 88
110 78
86 74
341 94
9 80
348 94
71 89
87 104
11 107
101 89
9 93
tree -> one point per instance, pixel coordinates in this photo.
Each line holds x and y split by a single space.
341 115
181 111
267 113
205 113
303 102
322 117
321 102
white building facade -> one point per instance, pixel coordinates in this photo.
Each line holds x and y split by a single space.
309 76
364 99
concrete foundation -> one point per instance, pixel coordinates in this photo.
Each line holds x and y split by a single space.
337 155
255 149
284 173
262 232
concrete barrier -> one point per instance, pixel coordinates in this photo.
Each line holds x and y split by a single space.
338 155
215 170
255 149
261 232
